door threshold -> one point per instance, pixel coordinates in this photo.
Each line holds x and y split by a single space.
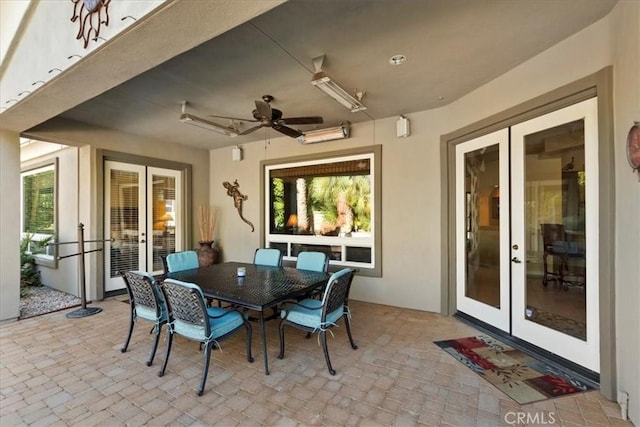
588 376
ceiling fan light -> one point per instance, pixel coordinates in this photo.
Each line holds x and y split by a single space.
206 124
323 82
329 134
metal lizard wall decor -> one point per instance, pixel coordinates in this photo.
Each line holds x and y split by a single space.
238 198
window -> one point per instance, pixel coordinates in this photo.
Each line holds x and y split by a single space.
38 191
329 204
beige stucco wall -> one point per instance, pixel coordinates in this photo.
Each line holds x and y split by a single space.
57 49
409 184
411 177
63 277
411 174
625 31
90 140
9 225
410 171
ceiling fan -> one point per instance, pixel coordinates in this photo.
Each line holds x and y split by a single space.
272 117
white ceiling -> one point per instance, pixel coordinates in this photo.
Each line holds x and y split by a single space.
452 46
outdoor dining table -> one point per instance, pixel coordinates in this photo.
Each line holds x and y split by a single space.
262 288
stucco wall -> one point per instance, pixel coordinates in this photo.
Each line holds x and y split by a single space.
410 215
625 24
63 277
90 140
9 225
411 177
411 212
56 49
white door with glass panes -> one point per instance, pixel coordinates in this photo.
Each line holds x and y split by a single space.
527 231
143 216
482 229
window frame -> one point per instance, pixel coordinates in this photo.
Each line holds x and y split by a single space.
50 259
374 153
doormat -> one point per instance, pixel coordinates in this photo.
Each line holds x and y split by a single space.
520 376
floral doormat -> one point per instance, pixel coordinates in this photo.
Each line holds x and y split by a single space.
520 376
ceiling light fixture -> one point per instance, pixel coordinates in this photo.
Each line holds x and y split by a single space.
323 82
329 134
204 123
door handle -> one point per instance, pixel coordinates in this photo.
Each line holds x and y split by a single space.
143 241
516 260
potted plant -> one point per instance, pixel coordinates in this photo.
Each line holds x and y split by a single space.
207 252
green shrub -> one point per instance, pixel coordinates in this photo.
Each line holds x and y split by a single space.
29 275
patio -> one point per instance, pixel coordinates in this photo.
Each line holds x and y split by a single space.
60 371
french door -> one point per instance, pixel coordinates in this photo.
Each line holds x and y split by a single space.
526 231
482 228
143 214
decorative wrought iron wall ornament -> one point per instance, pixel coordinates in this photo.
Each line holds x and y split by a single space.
88 13
238 199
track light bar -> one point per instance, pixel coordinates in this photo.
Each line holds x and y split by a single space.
206 124
328 134
323 82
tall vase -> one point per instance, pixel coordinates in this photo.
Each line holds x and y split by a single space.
207 254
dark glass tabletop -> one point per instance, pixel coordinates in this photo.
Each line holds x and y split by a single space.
262 287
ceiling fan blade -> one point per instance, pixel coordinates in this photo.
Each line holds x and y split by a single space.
264 109
233 118
287 131
248 131
311 120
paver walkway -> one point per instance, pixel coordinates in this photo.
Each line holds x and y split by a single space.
60 371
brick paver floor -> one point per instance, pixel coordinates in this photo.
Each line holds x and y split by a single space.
60 371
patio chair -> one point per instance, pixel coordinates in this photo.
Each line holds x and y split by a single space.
191 318
147 302
185 260
551 235
314 261
318 316
268 256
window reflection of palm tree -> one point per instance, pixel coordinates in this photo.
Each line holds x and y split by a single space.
343 200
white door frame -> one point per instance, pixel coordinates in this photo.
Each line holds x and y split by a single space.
115 283
585 353
498 317
145 216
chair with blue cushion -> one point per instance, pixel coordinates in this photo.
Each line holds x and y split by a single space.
147 302
185 260
318 316
314 261
191 318
268 256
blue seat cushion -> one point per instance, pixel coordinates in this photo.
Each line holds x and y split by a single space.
267 256
223 325
314 261
185 260
148 313
219 326
308 313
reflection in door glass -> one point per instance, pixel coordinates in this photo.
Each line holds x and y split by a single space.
164 218
555 228
482 214
124 221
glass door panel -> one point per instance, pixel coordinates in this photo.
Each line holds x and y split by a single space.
125 215
165 200
554 212
144 216
482 188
